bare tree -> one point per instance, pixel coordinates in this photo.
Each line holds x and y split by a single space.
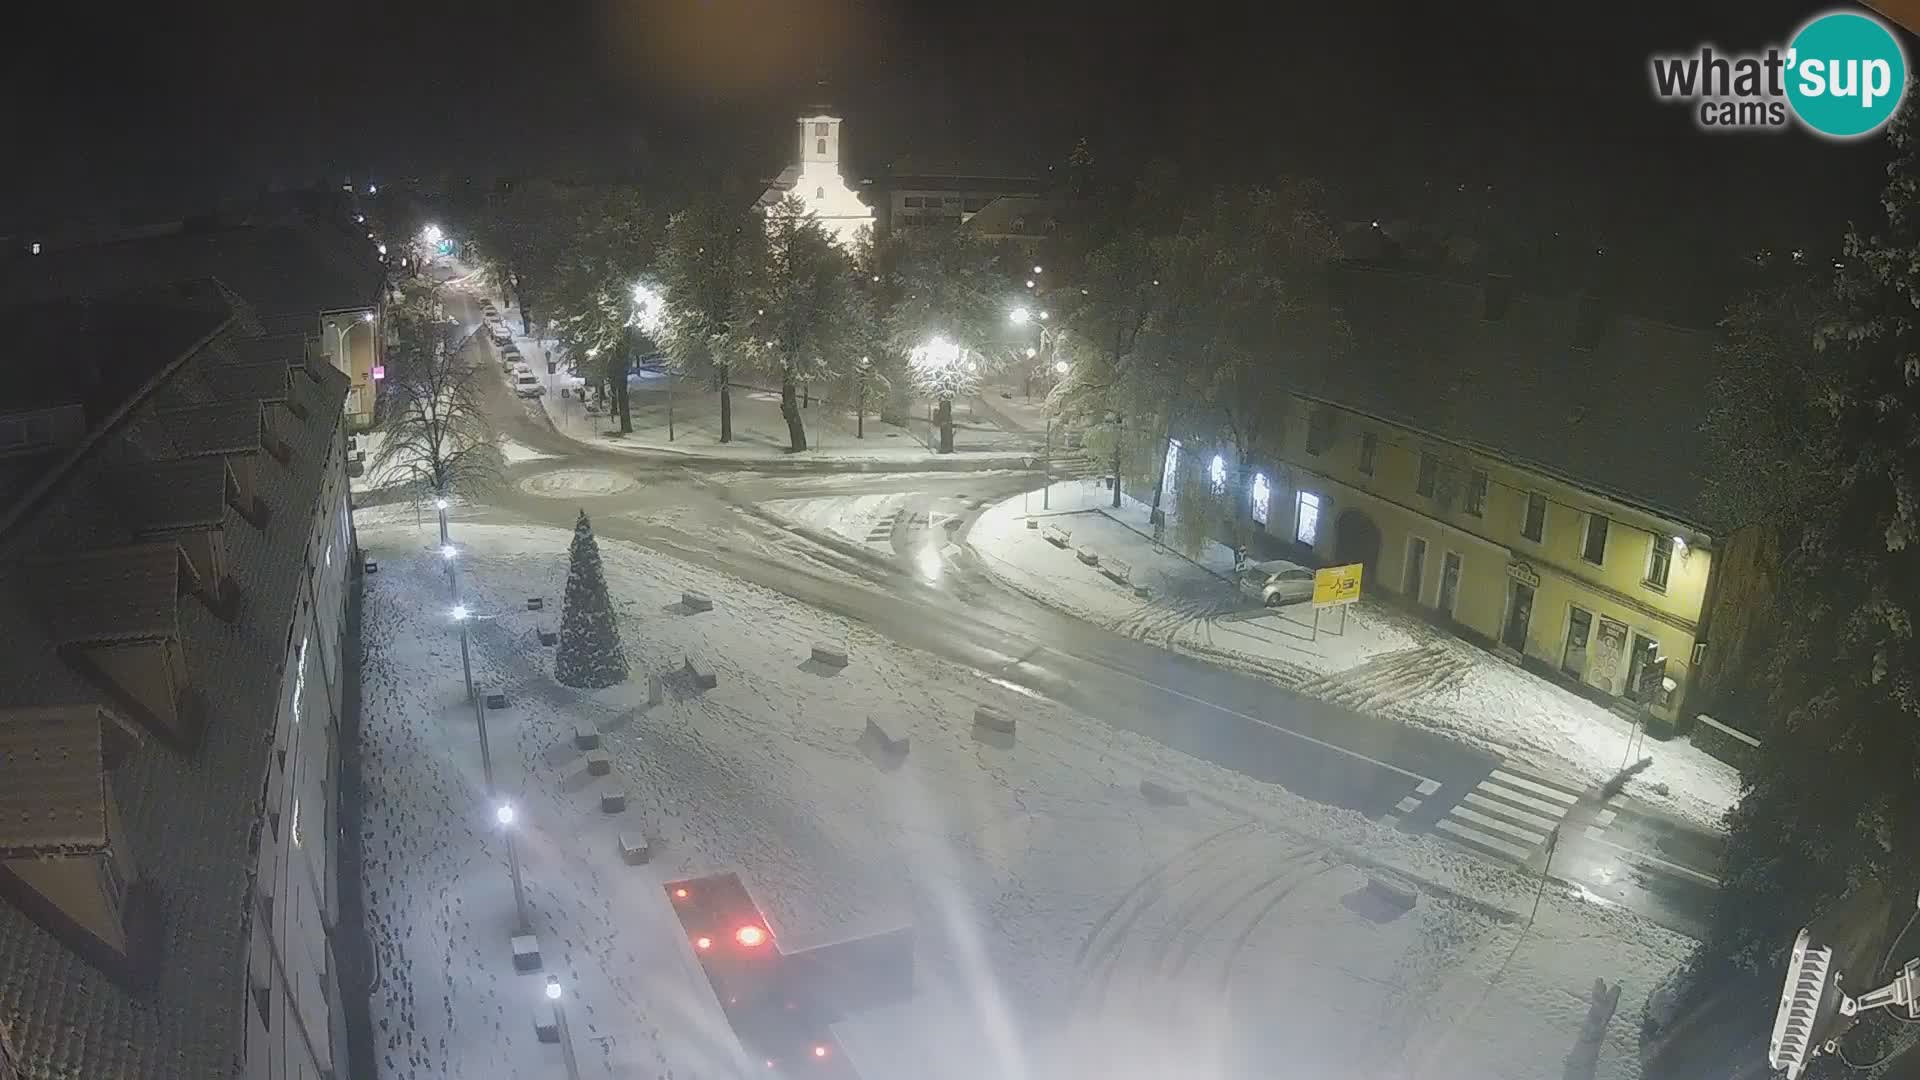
435 437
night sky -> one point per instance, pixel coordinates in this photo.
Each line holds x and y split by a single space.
1386 102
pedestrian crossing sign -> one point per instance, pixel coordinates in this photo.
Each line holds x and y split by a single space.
1336 585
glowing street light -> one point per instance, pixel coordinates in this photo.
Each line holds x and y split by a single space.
431 234
1032 352
1036 268
459 613
560 1021
504 815
448 551
1020 316
1059 367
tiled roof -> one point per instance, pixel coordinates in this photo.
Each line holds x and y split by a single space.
280 269
187 816
1621 418
289 349
129 593
178 494
228 427
98 353
53 779
262 381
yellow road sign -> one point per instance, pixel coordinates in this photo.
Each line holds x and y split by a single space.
1336 585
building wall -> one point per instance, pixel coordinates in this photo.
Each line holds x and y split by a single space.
1491 545
350 341
293 985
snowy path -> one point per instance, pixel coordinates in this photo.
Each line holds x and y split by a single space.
1061 919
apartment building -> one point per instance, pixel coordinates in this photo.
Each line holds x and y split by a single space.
176 551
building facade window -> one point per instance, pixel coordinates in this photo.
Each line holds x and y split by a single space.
820 147
1262 498
1217 475
1534 526
1306 518
1659 561
1429 475
1319 431
1477 492
819 127
1594 547
1369 449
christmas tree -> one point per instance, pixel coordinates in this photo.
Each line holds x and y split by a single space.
590 655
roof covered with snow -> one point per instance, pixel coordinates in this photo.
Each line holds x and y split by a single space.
178 494
283 270
97 352
1620 417
53 778
186 815
125 593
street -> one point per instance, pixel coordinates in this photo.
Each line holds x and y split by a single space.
922 588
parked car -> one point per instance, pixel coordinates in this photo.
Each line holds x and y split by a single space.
1277 582
527 384
501 336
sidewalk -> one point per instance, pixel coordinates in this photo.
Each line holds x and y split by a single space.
1374 658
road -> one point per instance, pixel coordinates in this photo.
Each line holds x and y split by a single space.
923 588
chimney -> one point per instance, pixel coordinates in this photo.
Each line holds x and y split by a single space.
1496 297
1589 320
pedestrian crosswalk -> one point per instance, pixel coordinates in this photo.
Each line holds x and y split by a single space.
882 530
1510 813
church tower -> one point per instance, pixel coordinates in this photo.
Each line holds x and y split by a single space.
817 181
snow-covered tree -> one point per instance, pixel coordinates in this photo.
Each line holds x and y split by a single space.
1831 798
799 315
709 252
590 655
435 436
590 294
949 316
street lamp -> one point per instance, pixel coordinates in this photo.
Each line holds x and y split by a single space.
560 1021
463 616
1020 315
934 362
504 815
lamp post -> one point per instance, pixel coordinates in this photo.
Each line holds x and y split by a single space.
504 815
560 1021
461 615
937 363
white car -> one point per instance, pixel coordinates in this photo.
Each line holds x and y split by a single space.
527 384
501 335
1277 582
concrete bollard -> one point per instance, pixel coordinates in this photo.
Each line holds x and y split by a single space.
655 694
696 601
526 953
1033 523
586 737
613 802
877 742
546 1023
991 719
634 849
549 638
535 603
704 680
371 567
1163 794
1087 556
829 654
496 700
599 762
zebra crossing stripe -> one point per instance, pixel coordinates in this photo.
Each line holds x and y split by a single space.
1508 812
1407 805
1567 797
1476 838
1509 795
1428 787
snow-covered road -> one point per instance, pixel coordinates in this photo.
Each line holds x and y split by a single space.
1066 926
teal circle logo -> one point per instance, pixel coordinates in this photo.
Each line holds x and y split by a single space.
1846 74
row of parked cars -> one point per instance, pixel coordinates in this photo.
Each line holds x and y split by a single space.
518 371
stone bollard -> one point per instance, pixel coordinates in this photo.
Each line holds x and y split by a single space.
535 603
599 762
546 1023
586 737
655 694
496 700
549 638
634 849
371 567
696 601
829 654
1162 794
526 953
613 802
992 719
1087 556
885 750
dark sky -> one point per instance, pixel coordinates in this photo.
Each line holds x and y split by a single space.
1383 100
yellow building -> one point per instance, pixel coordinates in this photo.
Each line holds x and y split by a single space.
1525 469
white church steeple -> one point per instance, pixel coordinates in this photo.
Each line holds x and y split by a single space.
819 183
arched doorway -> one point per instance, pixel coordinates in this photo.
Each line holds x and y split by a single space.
1356 539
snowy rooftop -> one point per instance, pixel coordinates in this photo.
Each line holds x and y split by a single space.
109 594
159 495
1424 355
187 816
227 427
53 778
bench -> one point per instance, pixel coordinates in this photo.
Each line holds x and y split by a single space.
526 953
536 603
1087 556
1057 536
1117 571
613 802
878 741
699 672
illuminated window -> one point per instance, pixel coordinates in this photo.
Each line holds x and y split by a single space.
1306 518
1217 475
820 147
1369 448
1262 497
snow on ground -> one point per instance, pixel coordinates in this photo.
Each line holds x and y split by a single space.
567 483
518 452
1382 661
857 518
1063 925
